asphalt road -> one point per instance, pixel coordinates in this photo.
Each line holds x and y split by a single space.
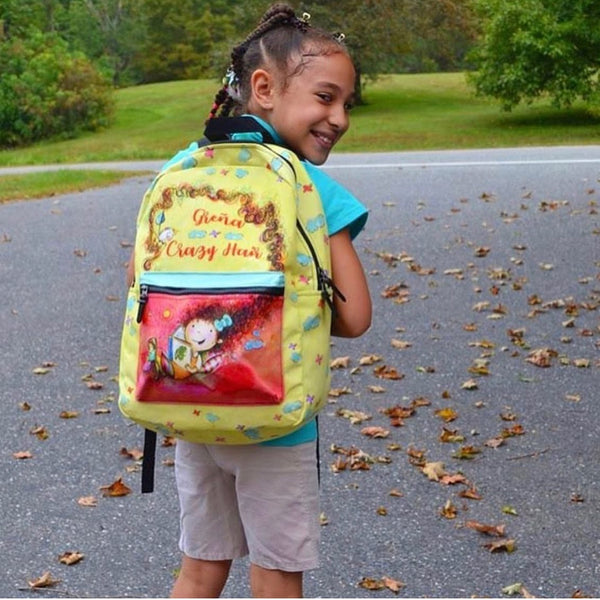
476 260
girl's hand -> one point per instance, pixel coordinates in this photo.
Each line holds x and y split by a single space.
353 317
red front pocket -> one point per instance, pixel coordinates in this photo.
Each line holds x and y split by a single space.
210 347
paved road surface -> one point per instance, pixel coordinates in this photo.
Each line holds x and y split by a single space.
484 256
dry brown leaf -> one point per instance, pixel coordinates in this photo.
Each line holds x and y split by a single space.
493 530
133 453
394 585
449 511
447 414
115 489
376 389
542 357
400 344
22 455
88 501
369 359
46 580
40 432
68 414
505 545
341 362
385 372
375 432
70 558
434 470
354 416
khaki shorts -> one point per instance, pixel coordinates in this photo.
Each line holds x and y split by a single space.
256 500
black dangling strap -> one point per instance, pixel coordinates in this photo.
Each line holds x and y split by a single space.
318 452
148 461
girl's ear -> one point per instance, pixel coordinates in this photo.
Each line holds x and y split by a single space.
263 88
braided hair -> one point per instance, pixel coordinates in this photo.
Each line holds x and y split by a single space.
279 36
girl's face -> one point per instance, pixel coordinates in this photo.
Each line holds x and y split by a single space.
312 112
201 334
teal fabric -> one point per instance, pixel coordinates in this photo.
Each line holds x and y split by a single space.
342 210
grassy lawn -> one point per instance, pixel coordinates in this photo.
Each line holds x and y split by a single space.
43 185
402 112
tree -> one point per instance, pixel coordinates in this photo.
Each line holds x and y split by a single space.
183 37
47 91
381 34
536 48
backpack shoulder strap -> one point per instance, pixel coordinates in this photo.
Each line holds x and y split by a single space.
220 129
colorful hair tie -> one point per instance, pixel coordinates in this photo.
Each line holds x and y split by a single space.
231 84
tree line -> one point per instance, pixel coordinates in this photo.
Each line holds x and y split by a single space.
60 59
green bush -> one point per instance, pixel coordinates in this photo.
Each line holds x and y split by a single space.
48 92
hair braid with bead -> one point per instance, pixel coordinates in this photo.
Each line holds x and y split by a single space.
279 36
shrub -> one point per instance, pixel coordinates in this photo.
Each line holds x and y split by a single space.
47 91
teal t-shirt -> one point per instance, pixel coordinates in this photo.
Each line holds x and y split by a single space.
342 210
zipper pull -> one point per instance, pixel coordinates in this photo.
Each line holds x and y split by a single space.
329 289
142 301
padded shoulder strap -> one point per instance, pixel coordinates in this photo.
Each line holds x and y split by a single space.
220 129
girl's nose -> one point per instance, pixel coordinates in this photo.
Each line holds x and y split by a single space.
339 117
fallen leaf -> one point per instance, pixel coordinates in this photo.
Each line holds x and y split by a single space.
400 344
447 414
449 511
40 432
470 384
434 470
354 416
68 414
115 489
382 511
376 389
134 453
94 385
509 510
22 455
368 583
493 530
70 558
385 372
542 357
40 371
501 545
375 432
466 452
369 359
392 584
44 581
341 362
88 501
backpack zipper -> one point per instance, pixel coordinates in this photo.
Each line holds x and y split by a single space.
324 283
146 289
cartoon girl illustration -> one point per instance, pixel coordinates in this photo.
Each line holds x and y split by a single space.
193 349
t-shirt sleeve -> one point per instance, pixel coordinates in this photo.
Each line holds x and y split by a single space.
342 208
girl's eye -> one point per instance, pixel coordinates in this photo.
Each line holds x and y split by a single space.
348 106
325 97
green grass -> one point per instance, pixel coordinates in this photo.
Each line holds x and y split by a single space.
40 185
403 112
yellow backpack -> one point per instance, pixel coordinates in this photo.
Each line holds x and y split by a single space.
226 331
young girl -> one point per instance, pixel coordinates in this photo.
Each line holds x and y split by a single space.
298 83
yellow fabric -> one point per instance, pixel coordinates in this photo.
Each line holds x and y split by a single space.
234 208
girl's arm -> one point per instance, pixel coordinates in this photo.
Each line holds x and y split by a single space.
353 317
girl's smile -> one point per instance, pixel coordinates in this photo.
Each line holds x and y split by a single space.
311 113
